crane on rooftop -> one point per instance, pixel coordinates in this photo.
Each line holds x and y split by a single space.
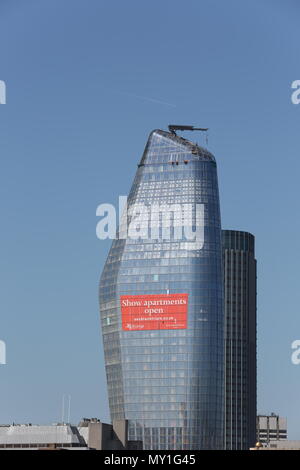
174 127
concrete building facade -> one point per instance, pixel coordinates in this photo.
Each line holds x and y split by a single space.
90 434
271 429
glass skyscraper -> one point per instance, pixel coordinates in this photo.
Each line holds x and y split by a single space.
161 303
240 339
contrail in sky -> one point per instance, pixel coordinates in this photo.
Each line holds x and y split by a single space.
146 98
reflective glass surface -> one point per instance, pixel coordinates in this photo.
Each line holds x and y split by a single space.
169 383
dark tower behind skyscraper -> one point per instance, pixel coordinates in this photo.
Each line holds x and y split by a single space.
165 370
240 339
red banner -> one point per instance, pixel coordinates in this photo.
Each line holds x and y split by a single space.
154 312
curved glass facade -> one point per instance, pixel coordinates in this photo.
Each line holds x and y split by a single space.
168 383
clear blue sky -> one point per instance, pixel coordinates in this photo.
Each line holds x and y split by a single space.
86 83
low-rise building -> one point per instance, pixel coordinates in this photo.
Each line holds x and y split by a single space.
90 434
271 428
